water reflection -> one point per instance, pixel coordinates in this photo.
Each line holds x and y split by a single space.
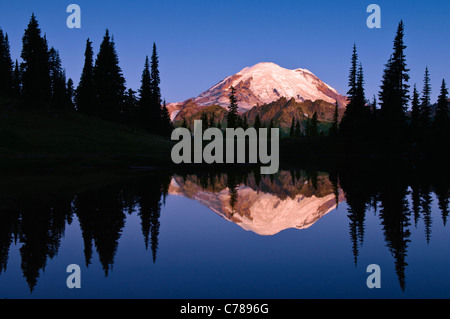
35 211
265 205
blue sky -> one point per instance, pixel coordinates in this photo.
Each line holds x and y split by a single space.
200 42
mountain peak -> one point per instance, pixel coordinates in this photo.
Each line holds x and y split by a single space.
264 83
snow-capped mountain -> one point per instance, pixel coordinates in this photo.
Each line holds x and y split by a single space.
264 212
264 83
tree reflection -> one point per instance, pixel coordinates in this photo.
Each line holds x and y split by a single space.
35 213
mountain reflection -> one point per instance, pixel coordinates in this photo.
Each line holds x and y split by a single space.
34 211
265 205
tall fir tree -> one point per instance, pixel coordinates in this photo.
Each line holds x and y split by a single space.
130 111
156 109
145 98
232 114
6 67
394 94
58 80
36 82
334 128
108 81
166 122
426 101
355 119
70 93
85 95
442 110
16 81
415 111
347 123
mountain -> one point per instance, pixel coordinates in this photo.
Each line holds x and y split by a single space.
261 84
266 207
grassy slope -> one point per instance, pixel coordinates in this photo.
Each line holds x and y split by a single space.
71 139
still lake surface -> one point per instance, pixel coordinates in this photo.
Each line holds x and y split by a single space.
298 234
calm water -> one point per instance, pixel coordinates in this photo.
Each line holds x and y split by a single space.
299 234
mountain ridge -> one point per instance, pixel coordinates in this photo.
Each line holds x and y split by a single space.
260 84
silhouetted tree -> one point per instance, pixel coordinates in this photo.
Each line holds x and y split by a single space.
36 82
166 122
6 67
335 124
58 80
85 96
70 92
394 89
129 108
232 114
442 111
17 81
426 101
109 81
415 112
355 121
155 97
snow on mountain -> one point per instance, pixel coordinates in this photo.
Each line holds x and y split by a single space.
261 212
264 83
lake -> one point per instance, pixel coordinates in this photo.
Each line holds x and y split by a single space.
302 233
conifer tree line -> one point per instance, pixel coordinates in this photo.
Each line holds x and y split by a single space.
392 121
39 82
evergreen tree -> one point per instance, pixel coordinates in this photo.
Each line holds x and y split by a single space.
167 126
70 93
355 119
442 109
6 66
16 81
232 115
145 98
352 78
335 124
155 111
85 96
426 101
415 110
36 83
394 89
58 79
108 81
130 101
